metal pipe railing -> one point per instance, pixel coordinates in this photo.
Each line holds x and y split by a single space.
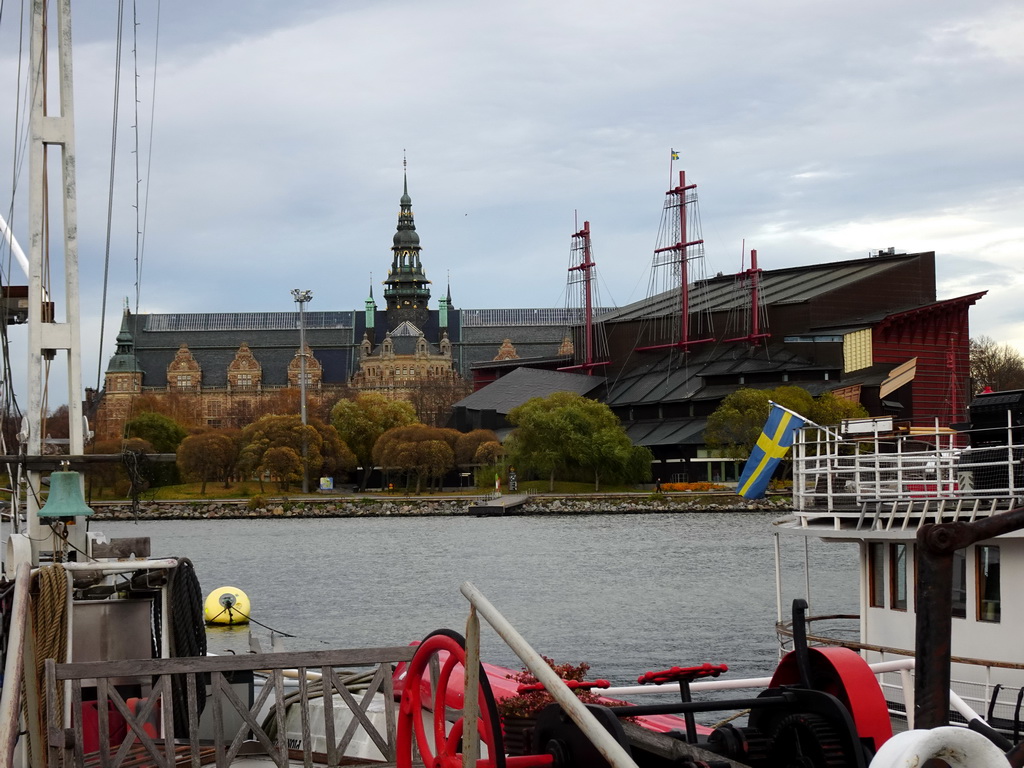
605 743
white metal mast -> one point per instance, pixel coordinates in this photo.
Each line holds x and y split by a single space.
47 334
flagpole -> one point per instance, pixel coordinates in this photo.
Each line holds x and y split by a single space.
805 420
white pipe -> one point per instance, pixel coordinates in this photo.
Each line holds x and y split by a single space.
670 688
605 743
731 685
961 707
123 566
12 241
13 668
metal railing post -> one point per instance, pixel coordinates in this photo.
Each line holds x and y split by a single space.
471 707
603 741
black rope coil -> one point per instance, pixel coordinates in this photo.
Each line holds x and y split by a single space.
188 637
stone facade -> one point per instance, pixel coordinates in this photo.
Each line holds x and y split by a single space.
226 370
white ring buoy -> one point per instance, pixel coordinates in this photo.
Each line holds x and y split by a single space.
959 747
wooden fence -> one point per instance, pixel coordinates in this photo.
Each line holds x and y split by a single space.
147 719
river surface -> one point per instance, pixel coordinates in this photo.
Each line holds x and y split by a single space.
625 593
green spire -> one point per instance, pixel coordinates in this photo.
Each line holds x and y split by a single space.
371 307
124 360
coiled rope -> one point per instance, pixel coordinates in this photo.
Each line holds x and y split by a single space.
50 630
188 637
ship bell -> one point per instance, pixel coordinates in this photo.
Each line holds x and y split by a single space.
65 499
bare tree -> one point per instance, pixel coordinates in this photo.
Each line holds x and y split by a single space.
994 365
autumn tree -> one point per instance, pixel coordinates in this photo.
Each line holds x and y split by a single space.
416 451
574 435
433 399
207 456
360 421
327 453
185 409
469 442
57 423
998 366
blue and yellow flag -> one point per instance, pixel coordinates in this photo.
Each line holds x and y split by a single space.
775 439
675 155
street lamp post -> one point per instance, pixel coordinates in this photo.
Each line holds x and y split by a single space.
302 298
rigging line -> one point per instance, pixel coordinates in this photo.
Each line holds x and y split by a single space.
135 81
110 190
149 159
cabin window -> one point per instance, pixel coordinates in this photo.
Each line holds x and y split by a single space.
987 562
960 583
876 564
898 576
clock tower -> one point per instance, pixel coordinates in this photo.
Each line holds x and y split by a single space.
406 289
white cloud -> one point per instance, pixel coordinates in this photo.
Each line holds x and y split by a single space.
815 131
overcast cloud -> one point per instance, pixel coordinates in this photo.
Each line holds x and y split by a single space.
815 132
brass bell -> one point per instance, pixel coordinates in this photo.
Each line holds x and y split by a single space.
65 499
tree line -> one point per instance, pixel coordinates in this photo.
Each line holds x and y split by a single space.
563 436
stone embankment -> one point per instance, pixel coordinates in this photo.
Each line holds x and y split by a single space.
450 507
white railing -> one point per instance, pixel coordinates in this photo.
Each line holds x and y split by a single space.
937 468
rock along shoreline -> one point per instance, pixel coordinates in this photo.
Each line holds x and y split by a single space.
439 507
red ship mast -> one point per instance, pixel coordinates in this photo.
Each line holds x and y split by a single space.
679 255
754 275
581 249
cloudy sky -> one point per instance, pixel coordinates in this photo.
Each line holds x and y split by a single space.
272 139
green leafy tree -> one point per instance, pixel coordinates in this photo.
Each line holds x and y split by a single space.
734 427
568 433
362 420
994 365
162 432
208 456
416 451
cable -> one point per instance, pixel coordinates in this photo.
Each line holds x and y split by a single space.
258 623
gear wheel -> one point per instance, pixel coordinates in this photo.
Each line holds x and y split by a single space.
808 741
745 745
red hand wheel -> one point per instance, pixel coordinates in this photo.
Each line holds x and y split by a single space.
433 693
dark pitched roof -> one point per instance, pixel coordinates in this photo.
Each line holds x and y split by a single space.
657 432
524 383
672 378
792 285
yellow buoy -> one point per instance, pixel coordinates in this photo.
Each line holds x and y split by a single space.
227 605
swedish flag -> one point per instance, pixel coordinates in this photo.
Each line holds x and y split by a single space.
776 438
675 155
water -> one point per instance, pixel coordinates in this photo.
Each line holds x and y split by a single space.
625 593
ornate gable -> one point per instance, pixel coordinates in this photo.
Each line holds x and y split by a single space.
314 370
245 371
506 351
184 374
